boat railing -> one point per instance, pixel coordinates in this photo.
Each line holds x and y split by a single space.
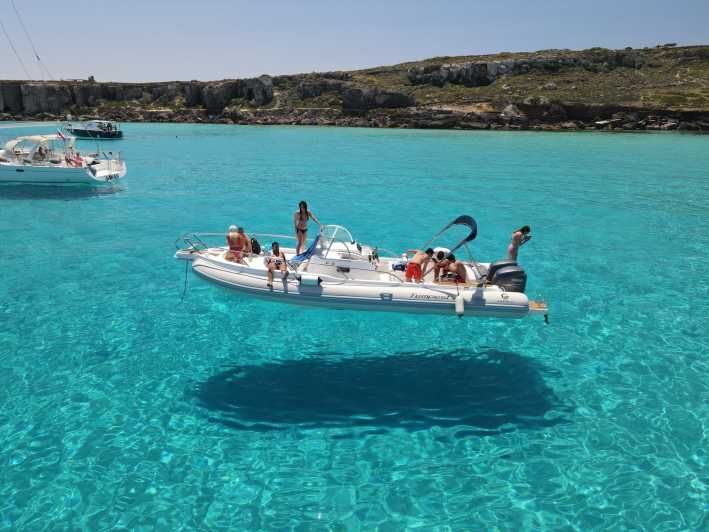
388 253
111 156
196 241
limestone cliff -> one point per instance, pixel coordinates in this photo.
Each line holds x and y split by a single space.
665 87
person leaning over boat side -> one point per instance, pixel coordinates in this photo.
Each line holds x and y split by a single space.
300 220
458 268
440 263
415 267
519 237
276 261
238 243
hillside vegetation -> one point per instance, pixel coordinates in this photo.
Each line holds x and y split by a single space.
666 77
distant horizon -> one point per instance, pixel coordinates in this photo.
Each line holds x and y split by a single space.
160 41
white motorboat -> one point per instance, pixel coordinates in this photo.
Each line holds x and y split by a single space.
338 272
53 159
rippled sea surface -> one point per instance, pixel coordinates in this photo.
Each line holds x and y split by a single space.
123 407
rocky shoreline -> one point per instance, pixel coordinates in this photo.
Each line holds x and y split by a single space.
528 118
491 93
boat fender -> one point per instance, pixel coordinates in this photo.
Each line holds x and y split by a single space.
308 279
459 305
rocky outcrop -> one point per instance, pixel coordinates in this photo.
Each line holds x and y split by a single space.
193 93
166 93
481 73
86 94
11 96
312 88
258 91
46 97
358 99
217 96
355 99
60 97
475 74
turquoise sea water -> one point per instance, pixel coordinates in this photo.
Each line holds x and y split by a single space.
121 407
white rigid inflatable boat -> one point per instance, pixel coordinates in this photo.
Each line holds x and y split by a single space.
338 272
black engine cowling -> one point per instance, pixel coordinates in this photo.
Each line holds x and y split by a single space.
507 274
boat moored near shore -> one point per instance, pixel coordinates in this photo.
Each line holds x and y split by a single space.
95 129
53 159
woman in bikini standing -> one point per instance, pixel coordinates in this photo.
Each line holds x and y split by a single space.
300 220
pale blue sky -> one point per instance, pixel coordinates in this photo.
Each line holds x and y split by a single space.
154 40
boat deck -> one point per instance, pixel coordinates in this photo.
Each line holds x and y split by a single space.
257 265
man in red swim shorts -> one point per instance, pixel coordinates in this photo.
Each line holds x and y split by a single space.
416 266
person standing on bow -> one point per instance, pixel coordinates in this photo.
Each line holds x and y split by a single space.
519 237
300 220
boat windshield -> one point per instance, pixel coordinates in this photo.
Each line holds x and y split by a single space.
336 233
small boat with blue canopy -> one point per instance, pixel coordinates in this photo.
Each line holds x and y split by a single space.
337 271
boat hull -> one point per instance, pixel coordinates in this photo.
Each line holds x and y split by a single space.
95 135
381 297
58 175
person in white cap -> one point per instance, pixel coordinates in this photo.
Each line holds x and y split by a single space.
238 243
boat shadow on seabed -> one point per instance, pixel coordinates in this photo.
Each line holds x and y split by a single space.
481 393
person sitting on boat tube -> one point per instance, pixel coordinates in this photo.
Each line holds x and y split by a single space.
300 220
238 243
76 159
415 267
519 238
276 261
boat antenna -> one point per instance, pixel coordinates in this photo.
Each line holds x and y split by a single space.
9 40
34 49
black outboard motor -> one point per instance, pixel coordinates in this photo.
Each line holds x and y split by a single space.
507 274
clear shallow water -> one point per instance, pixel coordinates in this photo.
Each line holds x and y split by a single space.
122 407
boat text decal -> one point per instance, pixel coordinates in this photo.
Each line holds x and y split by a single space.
428 296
